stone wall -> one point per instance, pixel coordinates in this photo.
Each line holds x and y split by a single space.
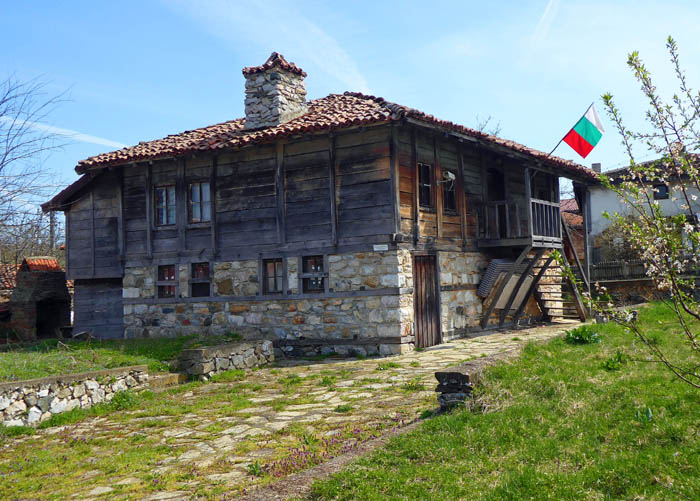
207 361
461 308
139 282
236 278
273 97
35 400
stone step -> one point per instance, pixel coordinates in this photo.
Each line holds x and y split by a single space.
166 379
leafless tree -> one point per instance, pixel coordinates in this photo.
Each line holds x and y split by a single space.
486 125
25 144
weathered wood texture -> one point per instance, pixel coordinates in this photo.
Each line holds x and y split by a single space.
98 307
94 234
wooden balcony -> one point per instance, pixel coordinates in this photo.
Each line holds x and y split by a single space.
515 223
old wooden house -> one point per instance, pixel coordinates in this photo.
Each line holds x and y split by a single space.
346 223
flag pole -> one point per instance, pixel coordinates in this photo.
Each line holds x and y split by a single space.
562 139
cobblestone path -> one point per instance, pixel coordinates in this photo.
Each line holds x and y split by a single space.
219 439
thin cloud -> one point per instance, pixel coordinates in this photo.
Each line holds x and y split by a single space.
276 26
545 22
72 134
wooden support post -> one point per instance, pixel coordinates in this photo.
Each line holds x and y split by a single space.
437 169
499 291
279 191
461 203
516 289
528 201
395 179
181 203
92 230
121 227
149 211
332 175
532 288
212 204
416 205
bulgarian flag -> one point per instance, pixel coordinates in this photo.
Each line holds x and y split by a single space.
586 133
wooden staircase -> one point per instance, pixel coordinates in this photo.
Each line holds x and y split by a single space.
558 299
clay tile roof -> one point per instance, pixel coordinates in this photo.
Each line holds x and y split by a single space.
8 276
572 220
568 205
41 264
275 60
334 111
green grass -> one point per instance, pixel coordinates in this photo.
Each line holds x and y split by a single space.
383 366
557 423
51 357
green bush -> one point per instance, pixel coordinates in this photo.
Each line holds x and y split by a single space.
615 362
584 334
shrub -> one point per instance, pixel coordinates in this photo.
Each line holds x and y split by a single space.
615 362
584 334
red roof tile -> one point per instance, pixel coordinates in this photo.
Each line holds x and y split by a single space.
8 276
332 112
41 264
568 205
572 220
275 60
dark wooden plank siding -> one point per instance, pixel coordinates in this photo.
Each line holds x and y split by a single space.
98 308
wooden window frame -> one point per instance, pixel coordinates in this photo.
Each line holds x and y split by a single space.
206 280
174 282
431 186
167 222
282 277
453 184
657 195
190 202
303 275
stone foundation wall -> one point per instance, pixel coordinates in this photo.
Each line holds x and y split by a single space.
207 361
460 307
35 400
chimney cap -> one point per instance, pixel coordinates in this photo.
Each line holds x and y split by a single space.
596 167
275 60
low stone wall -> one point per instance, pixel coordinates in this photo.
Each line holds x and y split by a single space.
207 361
35 400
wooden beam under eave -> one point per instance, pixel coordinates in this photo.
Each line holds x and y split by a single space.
212 203
414 163
437 170
461 202
182 214
149 211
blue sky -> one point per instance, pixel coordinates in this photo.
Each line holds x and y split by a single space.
139 70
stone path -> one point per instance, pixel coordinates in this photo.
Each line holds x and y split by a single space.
218 440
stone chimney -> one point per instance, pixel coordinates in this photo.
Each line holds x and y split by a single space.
596 167
274 93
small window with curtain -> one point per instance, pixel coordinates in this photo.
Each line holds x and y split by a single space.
166 281
425 185
199 202
313 274
165 205
199 280
272 275
449 195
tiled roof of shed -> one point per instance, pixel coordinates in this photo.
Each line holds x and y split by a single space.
332 112
8 276
568 205
42 264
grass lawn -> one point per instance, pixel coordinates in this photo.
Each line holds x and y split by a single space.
51 357
565 421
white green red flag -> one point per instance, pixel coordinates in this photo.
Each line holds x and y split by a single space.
586 133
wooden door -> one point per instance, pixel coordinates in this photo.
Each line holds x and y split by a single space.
427 297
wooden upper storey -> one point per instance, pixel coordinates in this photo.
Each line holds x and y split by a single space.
339 192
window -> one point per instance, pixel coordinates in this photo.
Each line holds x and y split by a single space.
425 185
449 197
313 275
272 276
166 281
660 192
165 205
200 281
199 202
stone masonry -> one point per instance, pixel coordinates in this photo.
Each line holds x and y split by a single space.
273 96
32 401
207 361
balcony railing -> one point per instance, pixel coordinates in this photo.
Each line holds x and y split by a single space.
506 222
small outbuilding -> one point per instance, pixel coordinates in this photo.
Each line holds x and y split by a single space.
40 302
